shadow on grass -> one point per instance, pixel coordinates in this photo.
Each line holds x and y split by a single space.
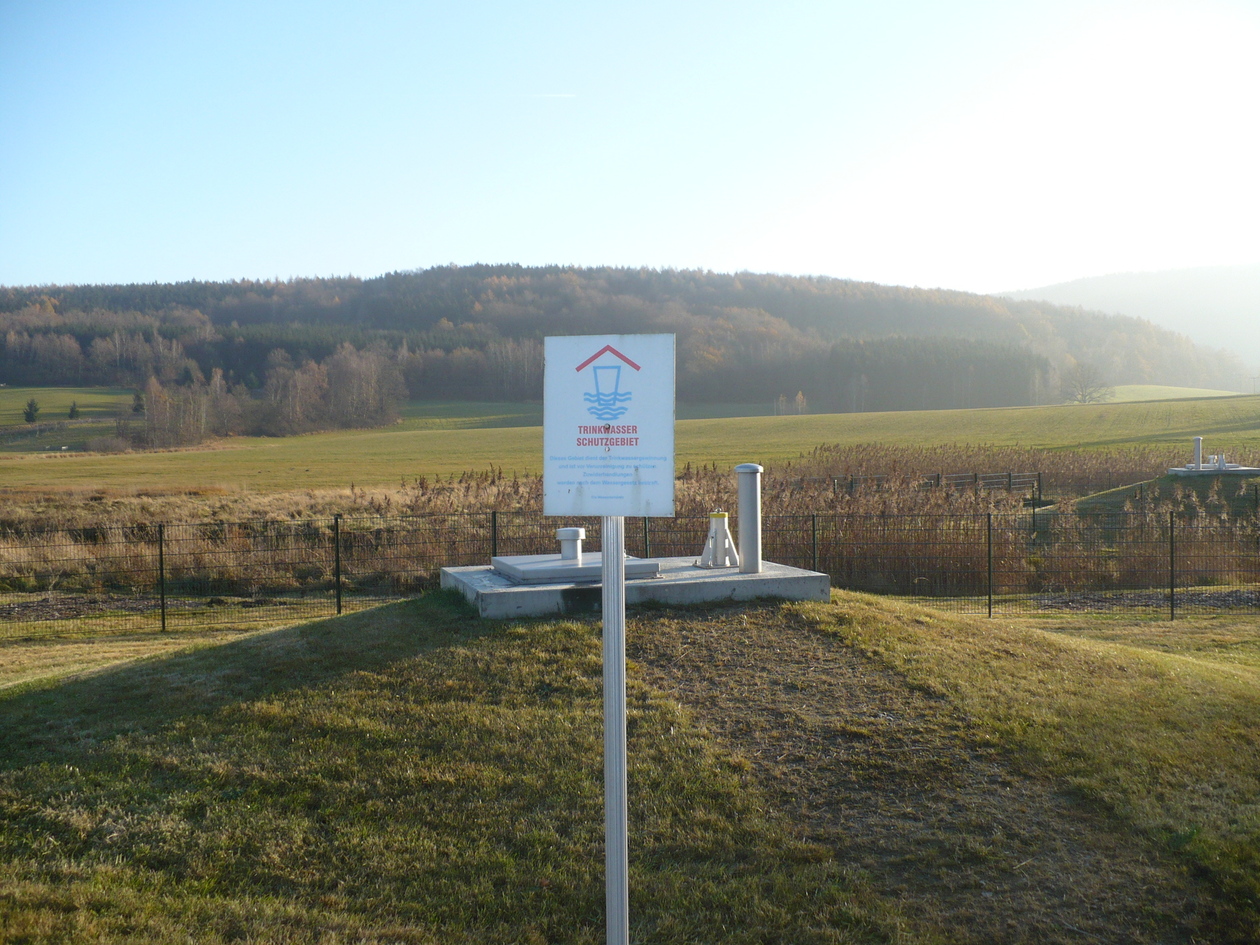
43 724
1186 433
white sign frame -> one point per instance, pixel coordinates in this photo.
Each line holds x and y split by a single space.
608 425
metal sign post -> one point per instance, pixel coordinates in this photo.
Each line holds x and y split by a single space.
608 450
616 803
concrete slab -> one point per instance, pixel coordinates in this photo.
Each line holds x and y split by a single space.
678 581
554 569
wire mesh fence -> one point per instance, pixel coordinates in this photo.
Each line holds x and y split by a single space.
174 576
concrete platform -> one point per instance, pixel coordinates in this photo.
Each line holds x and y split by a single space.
553 569
678 581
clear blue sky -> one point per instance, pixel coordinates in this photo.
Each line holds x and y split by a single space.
972 145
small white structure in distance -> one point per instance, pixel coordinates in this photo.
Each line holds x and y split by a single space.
1215 466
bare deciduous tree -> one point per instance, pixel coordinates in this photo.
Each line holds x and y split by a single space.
1083 383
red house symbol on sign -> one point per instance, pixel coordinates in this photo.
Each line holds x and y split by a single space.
607 349
608 401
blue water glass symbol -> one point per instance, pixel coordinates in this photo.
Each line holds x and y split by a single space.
604 373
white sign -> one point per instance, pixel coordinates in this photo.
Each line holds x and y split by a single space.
608 425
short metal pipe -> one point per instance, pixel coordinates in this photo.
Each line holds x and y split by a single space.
571 544
749 495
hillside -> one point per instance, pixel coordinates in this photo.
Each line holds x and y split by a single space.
1214 305
475 332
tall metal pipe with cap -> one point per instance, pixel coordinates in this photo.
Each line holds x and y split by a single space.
749 493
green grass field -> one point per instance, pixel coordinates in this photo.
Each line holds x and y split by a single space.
439 440
450 439
406 775
1128 393
462 415
412 774
54 403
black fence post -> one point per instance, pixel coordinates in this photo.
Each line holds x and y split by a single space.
494 533
1172 565
989 531
1038 489
337 558
813 529
647 540
162 572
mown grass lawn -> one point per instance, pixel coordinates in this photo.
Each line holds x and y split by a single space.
406 774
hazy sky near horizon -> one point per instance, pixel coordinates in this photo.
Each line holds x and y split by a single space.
976 145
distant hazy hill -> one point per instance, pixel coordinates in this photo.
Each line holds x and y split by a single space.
1217 306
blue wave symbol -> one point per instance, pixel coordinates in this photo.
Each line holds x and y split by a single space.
607 399
606 406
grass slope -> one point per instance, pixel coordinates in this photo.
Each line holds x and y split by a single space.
384 457
1154 724
411 775
403 775
1128 393
1238 494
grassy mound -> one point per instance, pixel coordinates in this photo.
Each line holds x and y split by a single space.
1235 496
1154 724
859 771
403 775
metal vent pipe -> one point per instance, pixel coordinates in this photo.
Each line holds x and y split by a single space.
749 494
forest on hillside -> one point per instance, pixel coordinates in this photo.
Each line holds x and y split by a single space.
280 356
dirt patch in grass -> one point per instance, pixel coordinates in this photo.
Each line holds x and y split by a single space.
898 784
69 606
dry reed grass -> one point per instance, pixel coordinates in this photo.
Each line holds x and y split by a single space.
803 484
864 514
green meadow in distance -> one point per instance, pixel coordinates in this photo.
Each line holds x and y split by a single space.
446 439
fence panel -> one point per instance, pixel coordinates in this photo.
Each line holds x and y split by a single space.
145 577
95 580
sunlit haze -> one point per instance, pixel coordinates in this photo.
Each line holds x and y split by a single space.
977 146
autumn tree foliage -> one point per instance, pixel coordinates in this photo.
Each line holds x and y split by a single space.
286 357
